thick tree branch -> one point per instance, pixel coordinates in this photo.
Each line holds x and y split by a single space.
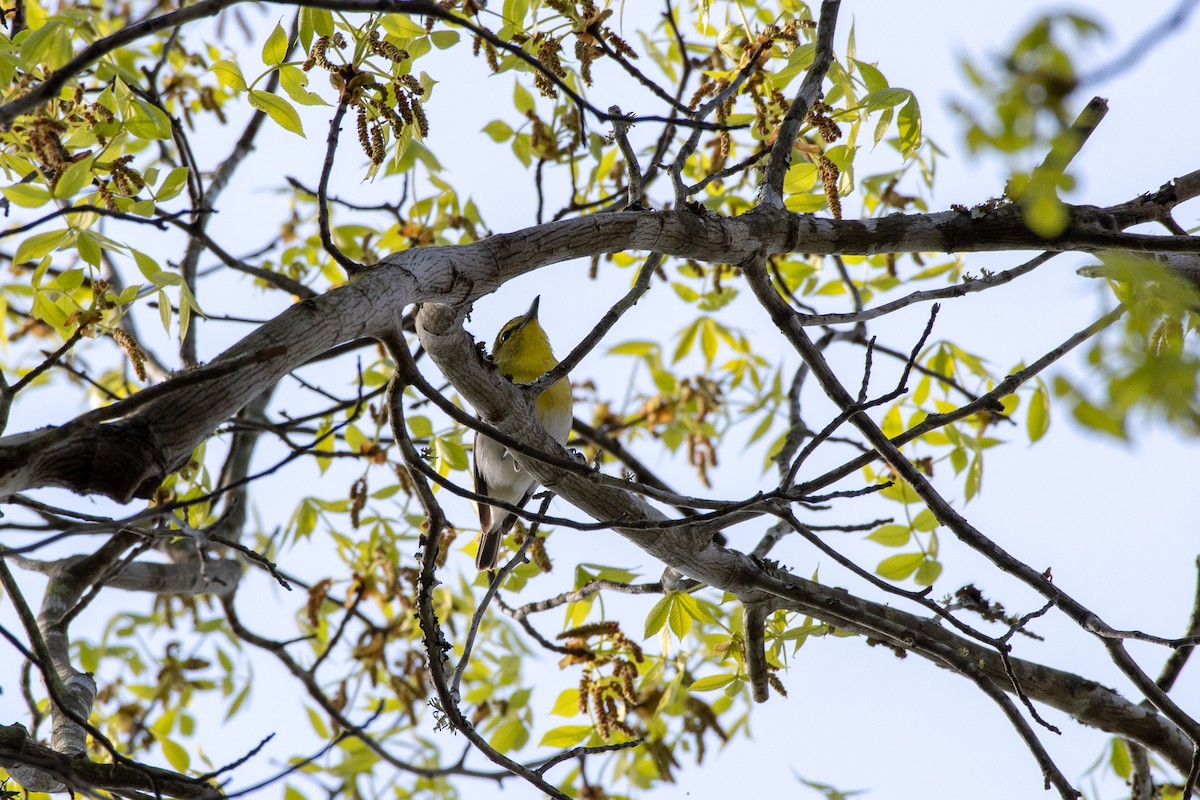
133 450
84 776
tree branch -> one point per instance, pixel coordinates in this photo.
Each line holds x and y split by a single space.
770 194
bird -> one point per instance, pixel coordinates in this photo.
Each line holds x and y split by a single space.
522 354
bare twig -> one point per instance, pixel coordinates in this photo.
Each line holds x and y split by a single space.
632 169
351 266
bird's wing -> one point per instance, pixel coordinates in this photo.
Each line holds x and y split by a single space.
481 487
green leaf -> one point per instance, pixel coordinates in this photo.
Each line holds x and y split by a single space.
444 39
899 567
39 245
1037 419
305 28
419 427
887 98
275 50
70 280
27 195
295 82
974 477
677 618
499 130
38 42
277 109
567 704
400 26
146 265
89 247
317 721
710 682
686 293
176 756
1119 759
872 78
1045 214
881 127
708 341
925 521
800 178
891 535
230 74
322 20
172 185
1092 417
657 617
148 121
451 452
356 440
565 736
691 606
73 178
909 124
164 310
143 208
893 423
687 340
47 311
522 99
804 203
512 735
634 348
928 572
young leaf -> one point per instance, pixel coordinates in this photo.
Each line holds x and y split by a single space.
275 50
657 617
230 74
295 82
891 535
27 195
565 735
172 185
38 245
1037 419
899 567
710 682
277 109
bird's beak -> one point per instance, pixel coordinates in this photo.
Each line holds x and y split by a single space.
531 314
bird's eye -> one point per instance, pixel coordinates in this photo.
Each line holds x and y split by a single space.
504 336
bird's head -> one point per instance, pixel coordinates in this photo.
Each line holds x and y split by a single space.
522 350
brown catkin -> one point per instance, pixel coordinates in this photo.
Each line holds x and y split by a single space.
364 138
412 84
403 107
601 711
316 56
133 350
377 149
585 687
829 179
421 120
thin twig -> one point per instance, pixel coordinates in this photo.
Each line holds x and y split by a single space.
986 402
351 266
771 192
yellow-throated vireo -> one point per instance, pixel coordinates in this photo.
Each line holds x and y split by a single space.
522 354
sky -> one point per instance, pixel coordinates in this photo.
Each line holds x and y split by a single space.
1116 522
